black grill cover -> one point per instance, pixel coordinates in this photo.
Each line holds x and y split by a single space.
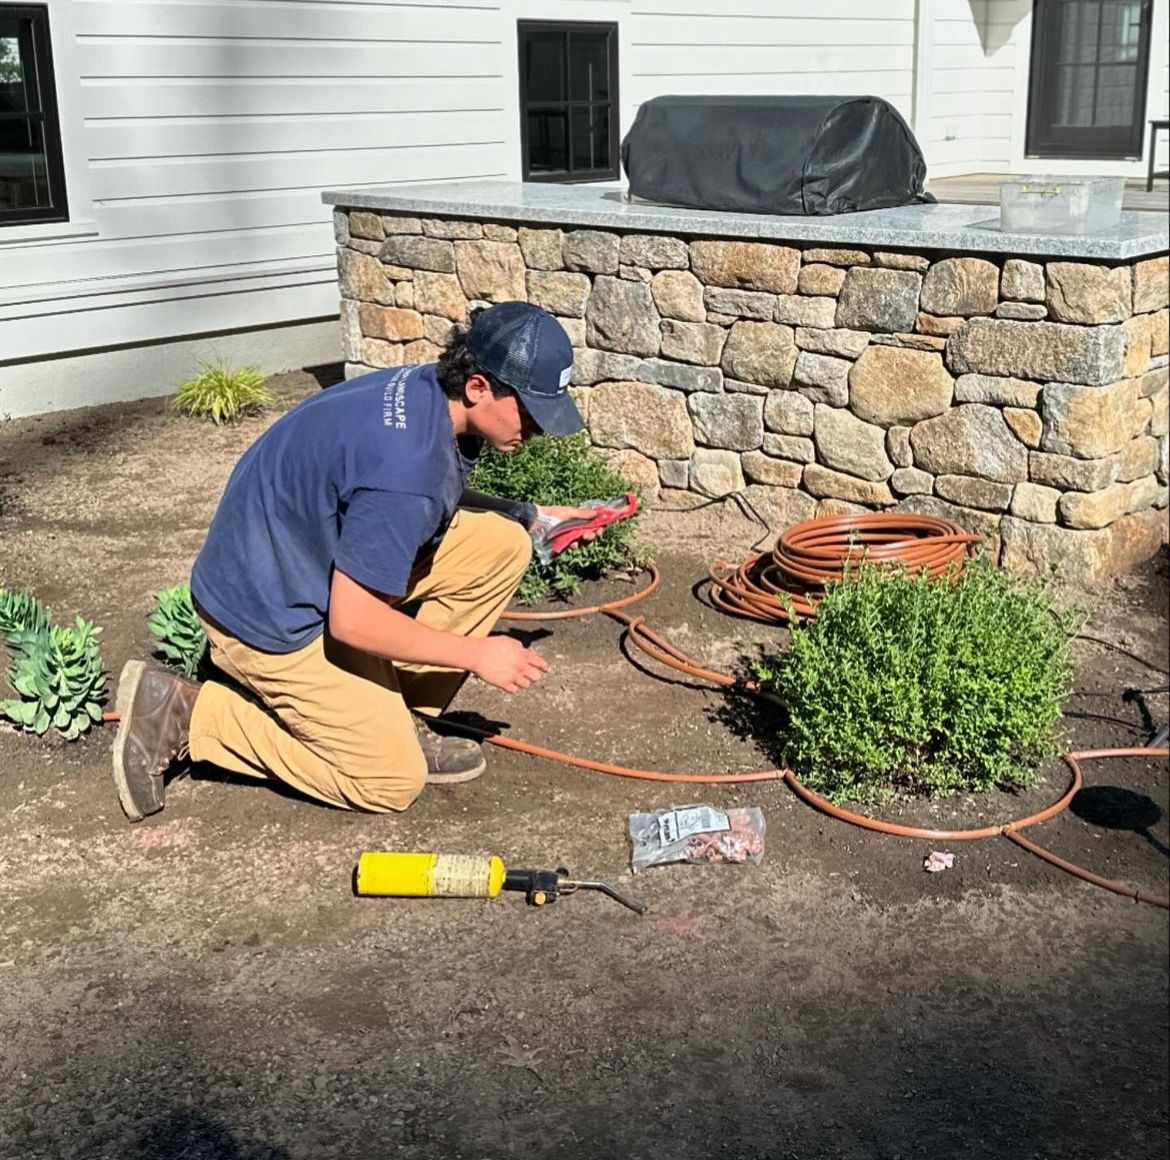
777 155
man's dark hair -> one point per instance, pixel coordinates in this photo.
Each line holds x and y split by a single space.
456 365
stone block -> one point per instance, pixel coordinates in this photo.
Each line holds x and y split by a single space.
898 446
654 251
648 419
877 299
440 294
759 467
822 378
760 352
419 352
621 317
940 326
679 375
678 294
575 329
970 492
635 273
928 342
389 323
1159 408
825 483
351 330
639 469
419 253
716 473
693 342
1022 311
970 440
793 447
1094 509
1137 459
998 390
1081 292
831 509
437 330
404 294
1151 284
788 412
962 286
737 387
1022 281
1139 330
893 260
746 265
1038 350
836 257
800 310
849 444
452 230
978 523
559 292
591 251
1033 501
1068 473
750 304
595 366
542 249
674 472
839 343
361 277
1026 424
364 224
1160 333
733 422
889 385
496 232
378 353
820 278
1091 422
780 507
400 224
490 271
340 227
911 481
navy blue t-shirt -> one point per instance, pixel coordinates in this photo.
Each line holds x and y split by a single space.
365 476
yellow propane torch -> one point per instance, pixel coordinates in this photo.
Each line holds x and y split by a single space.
393 874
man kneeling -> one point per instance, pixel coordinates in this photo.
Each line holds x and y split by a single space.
351 505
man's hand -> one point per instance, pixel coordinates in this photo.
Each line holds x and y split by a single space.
507 664
558 513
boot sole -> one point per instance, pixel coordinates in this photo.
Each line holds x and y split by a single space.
127 690
458 777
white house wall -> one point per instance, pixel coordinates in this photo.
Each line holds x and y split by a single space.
199 133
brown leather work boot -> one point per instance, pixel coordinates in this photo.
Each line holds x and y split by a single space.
449 759
155 705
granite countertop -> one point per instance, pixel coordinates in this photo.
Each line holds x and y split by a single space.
971 229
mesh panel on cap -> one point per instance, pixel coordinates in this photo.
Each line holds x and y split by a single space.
514 352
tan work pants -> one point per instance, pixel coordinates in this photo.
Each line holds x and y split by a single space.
338 726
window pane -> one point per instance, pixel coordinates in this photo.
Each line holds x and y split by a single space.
547 140
544 64
1074 97
1121 28
1078 32
17 85
591 138
1115 94
588 66
24 182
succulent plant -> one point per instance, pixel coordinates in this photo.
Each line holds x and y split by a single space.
59 677
177 630
21 612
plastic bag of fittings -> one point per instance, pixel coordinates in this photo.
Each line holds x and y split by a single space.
696 834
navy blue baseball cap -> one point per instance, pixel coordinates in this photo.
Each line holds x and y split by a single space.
527 349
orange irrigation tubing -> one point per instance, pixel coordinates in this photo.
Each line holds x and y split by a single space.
594 609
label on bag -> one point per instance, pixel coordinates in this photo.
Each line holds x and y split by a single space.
675 825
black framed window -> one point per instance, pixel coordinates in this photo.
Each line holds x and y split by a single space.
568 101
32 174
1090 60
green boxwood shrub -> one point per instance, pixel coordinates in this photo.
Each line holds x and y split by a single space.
903 685
556 469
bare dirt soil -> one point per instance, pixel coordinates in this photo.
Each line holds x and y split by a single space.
205 985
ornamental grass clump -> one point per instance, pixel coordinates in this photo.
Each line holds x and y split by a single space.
58 675
905 685
222 395
178 633
563 470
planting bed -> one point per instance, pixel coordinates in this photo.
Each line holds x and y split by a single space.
205 985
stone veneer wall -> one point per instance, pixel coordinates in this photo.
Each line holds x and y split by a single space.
1027 398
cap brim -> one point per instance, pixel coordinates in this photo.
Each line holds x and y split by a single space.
557 415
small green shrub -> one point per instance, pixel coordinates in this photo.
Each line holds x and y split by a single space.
21 612
902 684
222 395
566 470
177 630
59 677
